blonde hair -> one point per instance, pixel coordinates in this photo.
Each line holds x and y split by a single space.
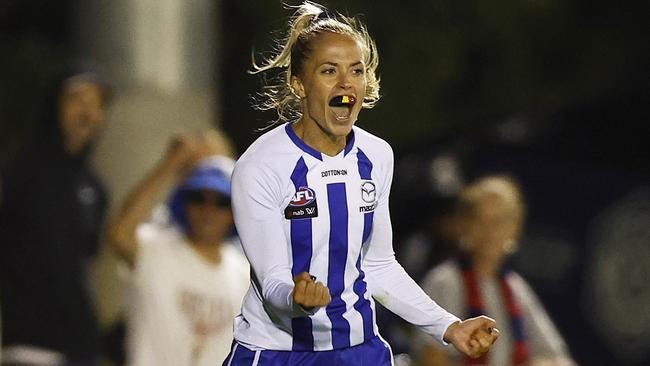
505 189
503 186
308 22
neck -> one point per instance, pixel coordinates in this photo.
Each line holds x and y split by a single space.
487 266
208 250
74 151
313 135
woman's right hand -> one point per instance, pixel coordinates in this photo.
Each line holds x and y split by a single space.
308 293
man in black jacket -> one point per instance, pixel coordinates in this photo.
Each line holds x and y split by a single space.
51 211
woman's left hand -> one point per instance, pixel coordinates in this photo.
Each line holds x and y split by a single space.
474 336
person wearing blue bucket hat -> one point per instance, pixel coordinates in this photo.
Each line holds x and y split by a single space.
187 278
212 174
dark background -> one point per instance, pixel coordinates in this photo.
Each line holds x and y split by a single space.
554 92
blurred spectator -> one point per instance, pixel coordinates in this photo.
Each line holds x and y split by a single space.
51 214
426 184
187 281
427 188
490 217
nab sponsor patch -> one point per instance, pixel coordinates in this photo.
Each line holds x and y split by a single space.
302 205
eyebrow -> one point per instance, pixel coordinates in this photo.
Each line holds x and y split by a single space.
336 64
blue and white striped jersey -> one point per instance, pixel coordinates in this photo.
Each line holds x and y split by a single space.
298 210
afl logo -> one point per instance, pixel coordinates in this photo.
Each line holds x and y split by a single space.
368 192
303 197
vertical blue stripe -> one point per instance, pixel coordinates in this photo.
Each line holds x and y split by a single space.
365 172
360 287
362 305
338 255
301 250
367 226
365 166
349 144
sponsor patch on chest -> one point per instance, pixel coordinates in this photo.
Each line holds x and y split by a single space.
333 173
368 196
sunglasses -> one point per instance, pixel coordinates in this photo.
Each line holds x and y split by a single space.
201 197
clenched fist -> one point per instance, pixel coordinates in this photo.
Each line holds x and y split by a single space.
308 293
474 336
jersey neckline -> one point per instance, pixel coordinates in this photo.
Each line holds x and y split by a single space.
310 150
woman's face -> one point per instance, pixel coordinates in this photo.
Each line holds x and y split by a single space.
491 225
334 68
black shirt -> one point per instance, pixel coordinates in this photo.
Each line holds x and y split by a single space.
51 213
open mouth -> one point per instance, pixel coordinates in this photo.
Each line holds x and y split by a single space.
342 105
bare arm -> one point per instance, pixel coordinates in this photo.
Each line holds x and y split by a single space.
140 201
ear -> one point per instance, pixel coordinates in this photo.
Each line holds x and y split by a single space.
298 87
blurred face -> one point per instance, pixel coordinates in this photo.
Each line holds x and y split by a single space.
81 115
333 69
209 216
491 225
